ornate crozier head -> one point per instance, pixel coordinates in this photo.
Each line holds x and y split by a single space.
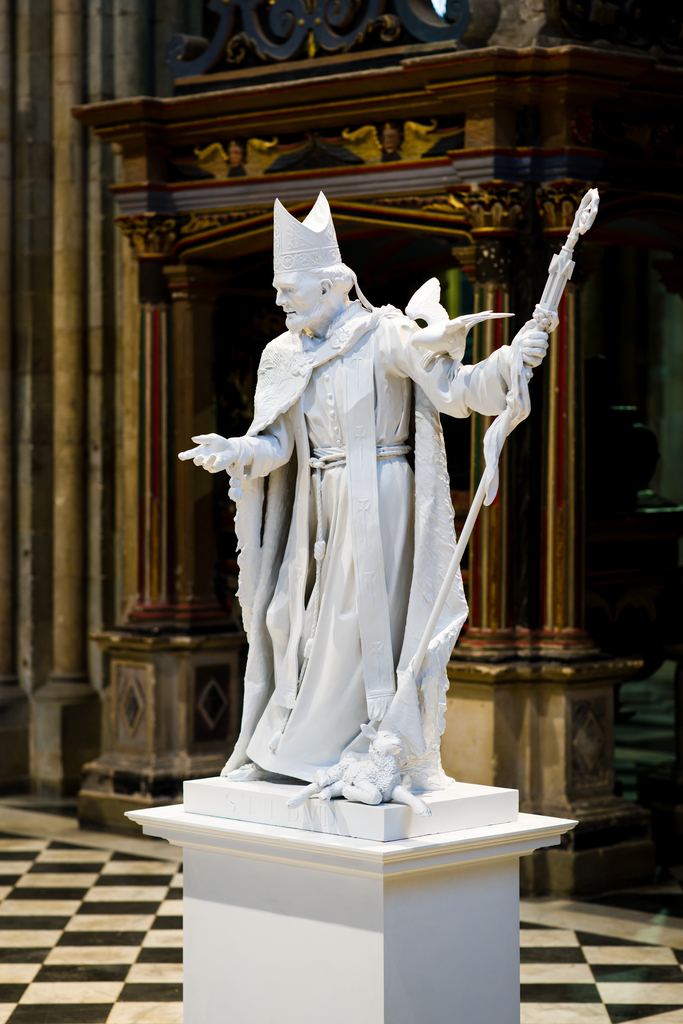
311 281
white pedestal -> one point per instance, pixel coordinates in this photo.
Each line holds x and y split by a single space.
461 805
298 927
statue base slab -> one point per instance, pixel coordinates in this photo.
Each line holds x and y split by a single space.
460 806
293 926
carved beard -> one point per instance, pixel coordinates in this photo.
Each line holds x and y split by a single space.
314 321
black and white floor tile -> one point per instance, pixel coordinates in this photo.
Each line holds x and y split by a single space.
575 977
88 936
94 936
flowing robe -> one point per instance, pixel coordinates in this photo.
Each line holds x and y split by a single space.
382 561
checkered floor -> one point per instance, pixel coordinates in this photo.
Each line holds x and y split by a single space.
573 977
88 936
94 936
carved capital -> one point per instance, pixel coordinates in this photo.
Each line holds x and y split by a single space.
557 204
151 235
494 207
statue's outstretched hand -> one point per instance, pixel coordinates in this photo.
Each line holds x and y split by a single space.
215 453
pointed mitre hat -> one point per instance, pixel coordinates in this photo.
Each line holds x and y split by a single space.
308 246
311 245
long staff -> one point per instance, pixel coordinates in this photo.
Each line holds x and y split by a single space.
544 316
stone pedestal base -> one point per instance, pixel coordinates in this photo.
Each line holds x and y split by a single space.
297 927
546 729
65 728
459 806
170 712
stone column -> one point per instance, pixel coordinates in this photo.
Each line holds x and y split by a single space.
495 209
13 702
535 711
32 314
66 713
172 704
101 315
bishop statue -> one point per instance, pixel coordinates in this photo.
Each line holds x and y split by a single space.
342 554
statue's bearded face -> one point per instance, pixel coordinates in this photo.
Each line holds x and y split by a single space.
306 301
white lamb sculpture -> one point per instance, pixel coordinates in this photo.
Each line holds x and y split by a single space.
369 782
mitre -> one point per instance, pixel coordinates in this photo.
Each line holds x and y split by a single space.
311 245
308 246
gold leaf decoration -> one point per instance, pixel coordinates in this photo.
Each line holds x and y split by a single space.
363 142
417 139
213 159
260 155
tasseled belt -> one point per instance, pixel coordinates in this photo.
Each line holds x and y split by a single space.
335 455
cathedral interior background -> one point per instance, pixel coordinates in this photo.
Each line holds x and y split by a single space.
142 143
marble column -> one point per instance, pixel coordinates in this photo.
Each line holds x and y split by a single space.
65 710
172 699
13 701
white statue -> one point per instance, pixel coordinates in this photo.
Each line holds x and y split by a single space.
342 556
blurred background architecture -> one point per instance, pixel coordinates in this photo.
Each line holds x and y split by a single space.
142 143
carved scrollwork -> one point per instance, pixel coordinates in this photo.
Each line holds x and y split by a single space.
278 30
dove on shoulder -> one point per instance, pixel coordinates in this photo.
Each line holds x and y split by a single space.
442 336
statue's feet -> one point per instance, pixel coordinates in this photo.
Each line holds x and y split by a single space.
249 772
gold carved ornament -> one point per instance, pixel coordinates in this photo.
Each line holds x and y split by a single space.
149 234
364 142
494 206
558 201
260 154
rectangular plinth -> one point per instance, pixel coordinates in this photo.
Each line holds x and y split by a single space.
299 927
461 806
